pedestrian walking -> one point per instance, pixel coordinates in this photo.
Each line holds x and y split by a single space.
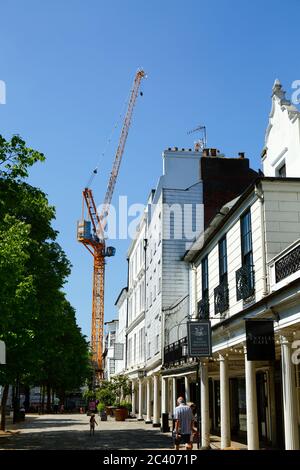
193 407
92 424
183 418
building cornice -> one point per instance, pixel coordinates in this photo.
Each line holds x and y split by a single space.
135 322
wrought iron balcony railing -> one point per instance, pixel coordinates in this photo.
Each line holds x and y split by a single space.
288 264
203 308
175 352
221 294
245 286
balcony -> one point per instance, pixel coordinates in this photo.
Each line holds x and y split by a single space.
203 308
221 295
285 267
244 282
288 264
175 352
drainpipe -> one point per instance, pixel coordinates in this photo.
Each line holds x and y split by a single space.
126 335
195 290
145 298
259 194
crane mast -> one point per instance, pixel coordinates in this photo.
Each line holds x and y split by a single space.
91 234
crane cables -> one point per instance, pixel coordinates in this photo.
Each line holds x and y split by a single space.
95 171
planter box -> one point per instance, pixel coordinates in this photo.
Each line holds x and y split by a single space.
121 414
109 410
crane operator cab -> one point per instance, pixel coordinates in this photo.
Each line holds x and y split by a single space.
84 230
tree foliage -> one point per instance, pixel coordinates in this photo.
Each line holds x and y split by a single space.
38 325
16 158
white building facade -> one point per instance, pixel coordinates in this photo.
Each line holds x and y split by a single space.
246 267
158 277
231 273
239 259
280 156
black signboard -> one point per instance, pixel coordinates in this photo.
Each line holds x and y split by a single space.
260 340
199 338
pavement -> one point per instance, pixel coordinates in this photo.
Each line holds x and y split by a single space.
71 431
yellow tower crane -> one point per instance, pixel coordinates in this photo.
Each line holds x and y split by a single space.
90 232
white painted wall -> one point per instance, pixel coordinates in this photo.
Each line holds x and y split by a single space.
282 140
181 169
281 222
165 276
282 214
121 331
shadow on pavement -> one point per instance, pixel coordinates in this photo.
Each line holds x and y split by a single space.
53 423
76 439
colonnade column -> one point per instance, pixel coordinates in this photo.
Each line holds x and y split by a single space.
251 404
156 420
187 388
205 436
224 402
290 411
148 417
174 393
133 405
164 395
140 415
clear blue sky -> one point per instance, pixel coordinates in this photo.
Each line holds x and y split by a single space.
68 67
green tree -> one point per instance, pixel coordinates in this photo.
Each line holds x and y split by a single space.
44 344
16 158
16 300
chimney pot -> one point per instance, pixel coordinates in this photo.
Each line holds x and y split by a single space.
241 154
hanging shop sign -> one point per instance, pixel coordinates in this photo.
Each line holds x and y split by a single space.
199 338
118 351
260 340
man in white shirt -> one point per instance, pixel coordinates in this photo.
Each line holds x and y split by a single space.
183 417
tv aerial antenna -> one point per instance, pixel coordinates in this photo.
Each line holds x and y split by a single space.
201 143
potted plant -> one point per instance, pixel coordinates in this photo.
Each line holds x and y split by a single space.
102 412
127 405
121 389
106 396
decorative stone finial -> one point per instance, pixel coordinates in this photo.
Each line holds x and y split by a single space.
277 90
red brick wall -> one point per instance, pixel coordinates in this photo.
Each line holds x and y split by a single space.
223 180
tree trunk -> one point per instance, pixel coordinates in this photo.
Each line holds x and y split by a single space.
48 398
3 407
43 400
27 399
16 402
